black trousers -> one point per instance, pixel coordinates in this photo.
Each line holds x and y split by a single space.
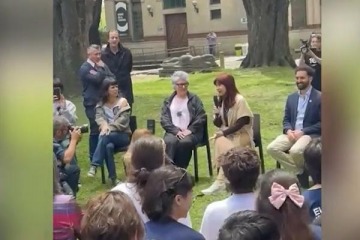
180 151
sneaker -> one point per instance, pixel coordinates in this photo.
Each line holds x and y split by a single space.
92 171
214 188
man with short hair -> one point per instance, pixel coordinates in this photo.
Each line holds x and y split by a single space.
120 61
249 225
92 73
302 121
69 173
241 167
312 157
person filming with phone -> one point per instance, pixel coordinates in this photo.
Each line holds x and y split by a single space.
311 56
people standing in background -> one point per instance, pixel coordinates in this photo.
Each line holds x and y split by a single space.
92 73
119 59
62 106
211 39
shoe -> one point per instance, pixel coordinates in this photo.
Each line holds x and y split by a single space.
114 181
92 171
214 188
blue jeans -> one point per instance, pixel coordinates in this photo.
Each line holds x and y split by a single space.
105 149
94 130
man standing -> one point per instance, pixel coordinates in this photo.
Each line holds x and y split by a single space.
302 121
211 38
119 60
92 73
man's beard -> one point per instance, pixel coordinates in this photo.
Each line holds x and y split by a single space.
302 86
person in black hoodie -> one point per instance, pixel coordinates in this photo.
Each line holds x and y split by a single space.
119 60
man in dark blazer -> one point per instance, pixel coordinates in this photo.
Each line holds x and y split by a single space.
119 60
92 73
302 121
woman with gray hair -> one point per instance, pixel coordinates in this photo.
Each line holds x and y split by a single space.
182 118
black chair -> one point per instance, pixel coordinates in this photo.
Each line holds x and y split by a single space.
133 127
257 140
204 142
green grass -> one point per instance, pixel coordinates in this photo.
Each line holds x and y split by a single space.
265 89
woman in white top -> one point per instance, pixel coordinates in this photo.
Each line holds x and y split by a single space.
148 154
182 118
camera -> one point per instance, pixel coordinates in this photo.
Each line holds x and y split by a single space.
83 128
304 48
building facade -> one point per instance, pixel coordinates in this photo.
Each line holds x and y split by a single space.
158 25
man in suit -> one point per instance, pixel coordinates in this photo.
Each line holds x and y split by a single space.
92 73
302 121
119 59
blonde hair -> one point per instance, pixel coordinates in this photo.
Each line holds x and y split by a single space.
138 133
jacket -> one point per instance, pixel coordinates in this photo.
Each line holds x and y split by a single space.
197 116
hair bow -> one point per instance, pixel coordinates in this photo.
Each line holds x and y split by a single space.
279 195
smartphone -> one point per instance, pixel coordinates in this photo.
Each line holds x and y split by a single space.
57 92
217 101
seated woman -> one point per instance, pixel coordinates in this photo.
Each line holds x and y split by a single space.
148 154
182 118
233 117
113 118
111 215
137 134
66 213
279 197
167 197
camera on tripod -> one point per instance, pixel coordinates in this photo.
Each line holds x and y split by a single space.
83 128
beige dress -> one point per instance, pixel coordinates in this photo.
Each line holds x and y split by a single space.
241 138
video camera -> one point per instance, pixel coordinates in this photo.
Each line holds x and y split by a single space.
83 128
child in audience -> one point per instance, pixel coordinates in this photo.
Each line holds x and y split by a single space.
147 154
166 198
110 216
312 157
248 225
279 197
137 134
241 168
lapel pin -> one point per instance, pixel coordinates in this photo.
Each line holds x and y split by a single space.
310 100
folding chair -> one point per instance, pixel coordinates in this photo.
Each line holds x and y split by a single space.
204 142
133 127
257 140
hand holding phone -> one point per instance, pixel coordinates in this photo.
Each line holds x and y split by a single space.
57 93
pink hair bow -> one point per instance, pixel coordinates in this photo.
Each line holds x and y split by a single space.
279 195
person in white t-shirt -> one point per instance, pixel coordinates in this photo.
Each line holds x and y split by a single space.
148 154
241 168
182 117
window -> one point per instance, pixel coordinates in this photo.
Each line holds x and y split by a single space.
214 1
215 14
138 32
174 4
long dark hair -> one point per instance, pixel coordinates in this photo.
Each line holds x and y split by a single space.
231 90
104 91
293 221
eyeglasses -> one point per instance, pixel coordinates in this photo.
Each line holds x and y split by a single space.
171 190
182 84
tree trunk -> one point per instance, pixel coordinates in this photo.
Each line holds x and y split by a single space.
268 34
94 35
72 21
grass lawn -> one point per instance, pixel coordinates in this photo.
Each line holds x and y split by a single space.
265 89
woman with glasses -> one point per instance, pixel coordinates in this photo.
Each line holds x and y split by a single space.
167 197
182 118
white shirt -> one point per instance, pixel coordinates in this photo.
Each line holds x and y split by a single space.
69 112
180 114
130 190
216 213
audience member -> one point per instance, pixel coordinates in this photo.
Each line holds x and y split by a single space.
313 59
92 73
248 225
137 134
111 216
182 118
113 118
312 156
148 154
279 197
234 119
66 213
166 198
241 168
119 59
62 106
302 121
69 173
